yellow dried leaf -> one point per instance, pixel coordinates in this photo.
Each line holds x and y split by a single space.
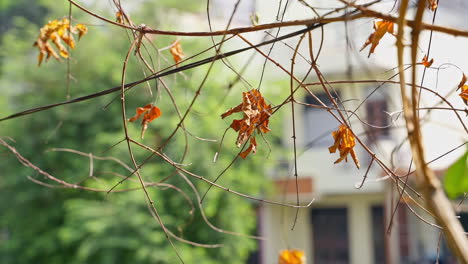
291 256
82 30
176 51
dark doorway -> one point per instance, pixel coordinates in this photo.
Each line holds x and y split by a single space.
330 235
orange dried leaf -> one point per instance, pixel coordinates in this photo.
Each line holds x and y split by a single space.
256 114
252 148
140 111
464 89
150 113
344 142
176 51
427 63
291 256
464 93
380 29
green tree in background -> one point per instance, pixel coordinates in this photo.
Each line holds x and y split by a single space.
43 224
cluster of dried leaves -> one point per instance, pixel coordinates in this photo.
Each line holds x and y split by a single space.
256 114
56 31
291 256
344 142
151 112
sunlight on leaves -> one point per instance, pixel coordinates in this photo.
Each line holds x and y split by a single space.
344 142
292 256
256 115
151 112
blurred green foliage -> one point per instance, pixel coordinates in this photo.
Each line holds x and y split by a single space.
40 224
456 178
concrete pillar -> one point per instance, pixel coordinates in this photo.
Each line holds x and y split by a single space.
361 247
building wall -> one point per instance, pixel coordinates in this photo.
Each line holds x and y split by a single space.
279 220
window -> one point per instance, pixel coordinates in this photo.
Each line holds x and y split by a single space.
330 235
377 117
378 234
318 123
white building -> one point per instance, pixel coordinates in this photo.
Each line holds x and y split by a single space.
347 224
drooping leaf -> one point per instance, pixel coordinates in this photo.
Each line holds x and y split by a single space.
150 113
176 51
380 29
344 143
256 114
456 178
291 256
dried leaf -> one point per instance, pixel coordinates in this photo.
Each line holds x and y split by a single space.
427 63
464 89
256 114
57 31
150 113
119 17
380 28
252 148
344 142
292 256
82 30
176 51
432 4
464 94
